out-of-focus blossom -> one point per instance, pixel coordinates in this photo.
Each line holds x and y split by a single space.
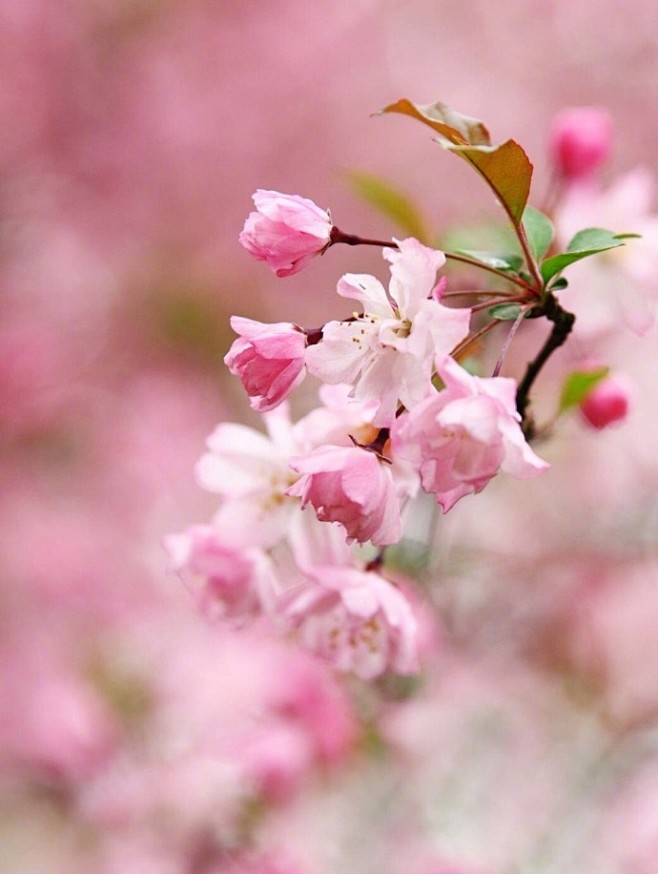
54 727
277 760
238 583
251 473
607 403
620 286
388 351
269 359
580 140
313 700
286 231
460 437
35 375
355 619
353 487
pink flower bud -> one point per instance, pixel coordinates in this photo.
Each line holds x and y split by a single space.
607 403
580 140
351 486
286 231
269 359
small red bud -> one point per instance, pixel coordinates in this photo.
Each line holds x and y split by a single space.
580 140
607 403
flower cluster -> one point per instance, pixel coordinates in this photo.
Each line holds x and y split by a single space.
308 512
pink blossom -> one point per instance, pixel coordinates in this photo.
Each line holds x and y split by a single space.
286 231
309 696
387 352
461 436
607 403
356 620
580 140
238 583
250 471
269 359
351 486
277 760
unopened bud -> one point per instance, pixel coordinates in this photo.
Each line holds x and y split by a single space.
607 403
580 140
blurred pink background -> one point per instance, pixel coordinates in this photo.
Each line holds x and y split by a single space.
132 135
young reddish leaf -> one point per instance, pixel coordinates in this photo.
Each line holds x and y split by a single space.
507 171
505 168
458 129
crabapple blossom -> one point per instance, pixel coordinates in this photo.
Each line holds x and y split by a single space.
460 437
268 359
286 231
580 140
351 486
250 471
355 619
238 583
387 351
607 403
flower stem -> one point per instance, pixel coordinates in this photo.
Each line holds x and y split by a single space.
530 261
338 236
460 348
481 292
473 262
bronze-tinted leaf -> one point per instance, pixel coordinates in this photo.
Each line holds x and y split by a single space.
461 130
505 168
507 171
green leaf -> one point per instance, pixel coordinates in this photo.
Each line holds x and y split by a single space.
505 168
391 202
593 239
539 231
589 241
504 312
560 283
578 385
500 262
